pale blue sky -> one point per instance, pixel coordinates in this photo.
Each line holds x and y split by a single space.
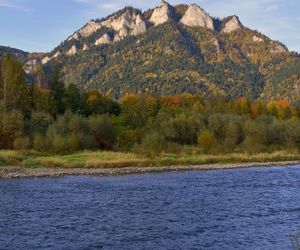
40 25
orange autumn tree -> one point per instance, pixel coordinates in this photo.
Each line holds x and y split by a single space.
281 109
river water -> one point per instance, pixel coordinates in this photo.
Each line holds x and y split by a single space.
256 208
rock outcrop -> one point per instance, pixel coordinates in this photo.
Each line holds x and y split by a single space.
105 39
197 17
90 28
85 47
140 26
278 48
130 22
57 54
257 39
161 14
232 24
31 65
71 52
46 59
217 44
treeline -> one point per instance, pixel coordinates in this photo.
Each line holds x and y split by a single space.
63 119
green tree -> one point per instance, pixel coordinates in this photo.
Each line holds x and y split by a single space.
14 91
207 141
74 100
57 88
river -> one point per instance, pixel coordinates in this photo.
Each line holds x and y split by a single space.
255 208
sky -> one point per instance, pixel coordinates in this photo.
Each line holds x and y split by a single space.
41 25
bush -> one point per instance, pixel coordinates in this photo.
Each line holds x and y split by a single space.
22 143
40 121
152 144
2 161
207 141
59 144
183 129
40 143
11 127
87 141
103 130
73 143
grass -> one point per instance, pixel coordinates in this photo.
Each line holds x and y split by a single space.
104 159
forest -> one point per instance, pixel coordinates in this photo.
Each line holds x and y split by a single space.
63 119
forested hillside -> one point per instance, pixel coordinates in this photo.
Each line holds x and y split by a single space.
174 57
170 50
19 54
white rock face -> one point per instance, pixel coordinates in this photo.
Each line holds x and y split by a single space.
57 54
75 36
46 59
217 44
72 51
105 39
30 66
85 47
123 32
161 14
140 26
278 49
257 39
89 28
232 25
117 38
197 17
126 23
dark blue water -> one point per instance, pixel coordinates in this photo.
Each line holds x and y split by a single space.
226 209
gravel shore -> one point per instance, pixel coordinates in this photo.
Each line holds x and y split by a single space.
20 172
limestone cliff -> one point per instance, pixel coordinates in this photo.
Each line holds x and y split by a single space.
161 14
197 17
232 24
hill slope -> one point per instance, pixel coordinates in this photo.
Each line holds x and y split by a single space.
174 49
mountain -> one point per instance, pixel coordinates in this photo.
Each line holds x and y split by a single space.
19 54
170 50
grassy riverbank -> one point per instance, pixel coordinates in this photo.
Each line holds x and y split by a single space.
103 159
16 164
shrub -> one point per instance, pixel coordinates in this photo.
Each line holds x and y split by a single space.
2 161
73 143
59 144
77 124
87 141
127 138
207 141
22 143
40 121
103 130
40 143
183 129
152 144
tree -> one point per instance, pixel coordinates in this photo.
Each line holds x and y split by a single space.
74 100
207 141
11 127
43 100
14 90
57 88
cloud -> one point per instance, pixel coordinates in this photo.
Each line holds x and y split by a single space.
272 8
99 4
14 5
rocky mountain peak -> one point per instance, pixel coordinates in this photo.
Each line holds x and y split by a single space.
161 14
105 39
232 24
197 17
128 20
